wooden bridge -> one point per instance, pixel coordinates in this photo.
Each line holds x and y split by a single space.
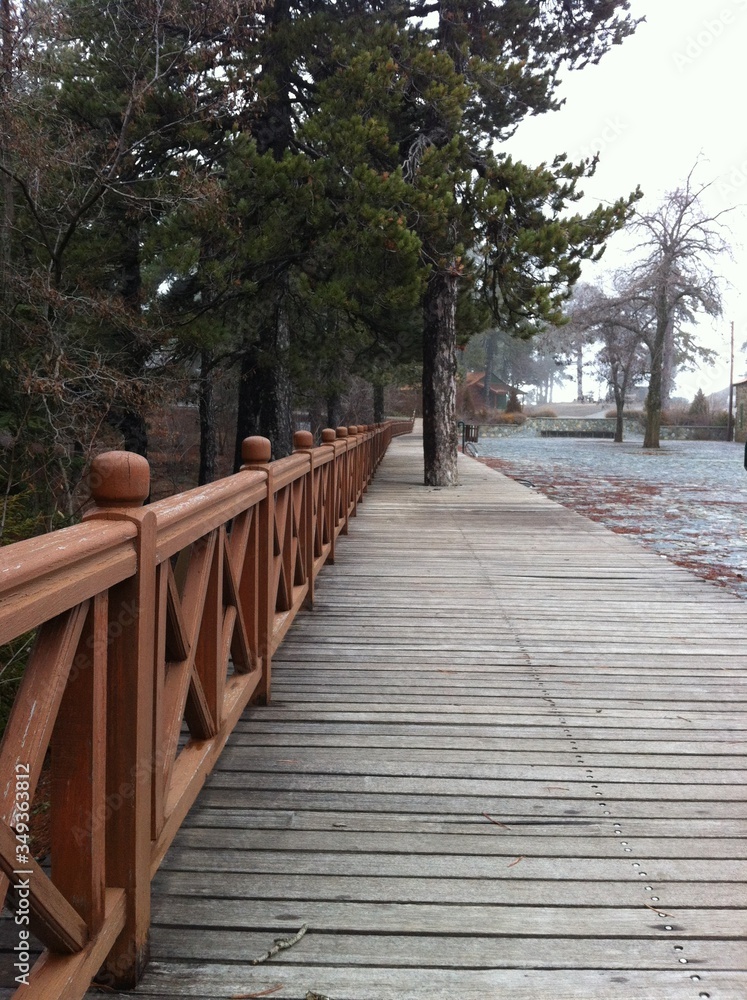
503 757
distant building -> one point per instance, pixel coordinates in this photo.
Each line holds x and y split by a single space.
740 411
500 391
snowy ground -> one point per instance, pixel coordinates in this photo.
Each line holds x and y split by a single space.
686 500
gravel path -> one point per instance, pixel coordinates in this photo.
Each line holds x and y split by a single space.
686 500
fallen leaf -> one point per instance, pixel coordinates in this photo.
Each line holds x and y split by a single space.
497 823
262 993
521 858
280 945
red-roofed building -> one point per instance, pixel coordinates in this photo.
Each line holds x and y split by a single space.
500 391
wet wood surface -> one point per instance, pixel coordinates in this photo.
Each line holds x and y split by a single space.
504 758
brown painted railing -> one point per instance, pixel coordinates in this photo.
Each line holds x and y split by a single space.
155 626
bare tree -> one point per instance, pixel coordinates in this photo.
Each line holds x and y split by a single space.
674 281
623 359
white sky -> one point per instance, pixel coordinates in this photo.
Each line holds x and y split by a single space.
672 93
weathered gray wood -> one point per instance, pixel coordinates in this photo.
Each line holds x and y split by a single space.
431 982
435 805
387 889
486 921
549 788
500 844
455 866
477 650
456 825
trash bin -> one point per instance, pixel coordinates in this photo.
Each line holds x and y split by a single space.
471 432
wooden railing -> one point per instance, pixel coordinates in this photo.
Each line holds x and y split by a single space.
155 626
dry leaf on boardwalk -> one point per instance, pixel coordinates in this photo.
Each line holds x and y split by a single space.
521 858
497 822
261 993
280 945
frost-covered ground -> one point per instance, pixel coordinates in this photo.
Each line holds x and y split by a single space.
686 500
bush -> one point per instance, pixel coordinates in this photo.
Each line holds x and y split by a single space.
543 411
508 418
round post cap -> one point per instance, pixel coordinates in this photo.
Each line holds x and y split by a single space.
303 439
328 435
342 432
255 450
119 479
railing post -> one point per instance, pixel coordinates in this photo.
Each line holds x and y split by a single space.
303 444
329 437
256 453
353 469
120 483
344 481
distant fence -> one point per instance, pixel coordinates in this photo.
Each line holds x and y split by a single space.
148 618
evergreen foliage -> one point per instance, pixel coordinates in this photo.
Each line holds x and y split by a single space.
301 193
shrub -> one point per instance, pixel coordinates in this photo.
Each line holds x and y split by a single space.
509 418
720 418
543 411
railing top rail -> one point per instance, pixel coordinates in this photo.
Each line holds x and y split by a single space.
188 516
42 577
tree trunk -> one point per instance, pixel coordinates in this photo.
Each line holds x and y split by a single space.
580 374
618 392
654 397
208 429
265 390
653 412
247 422
667 365
134 430
378 402
489 358
439 381
276 402
333 409
6 88
130 421
7 210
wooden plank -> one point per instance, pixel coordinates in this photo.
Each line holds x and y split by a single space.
456 824
571 788
405 918
427 981
452 866
390 889
78 779
353 801
492 842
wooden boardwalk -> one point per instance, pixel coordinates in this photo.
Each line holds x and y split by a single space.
504 759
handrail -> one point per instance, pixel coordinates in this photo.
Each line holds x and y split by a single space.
147 618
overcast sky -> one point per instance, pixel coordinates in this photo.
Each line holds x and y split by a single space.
671 94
